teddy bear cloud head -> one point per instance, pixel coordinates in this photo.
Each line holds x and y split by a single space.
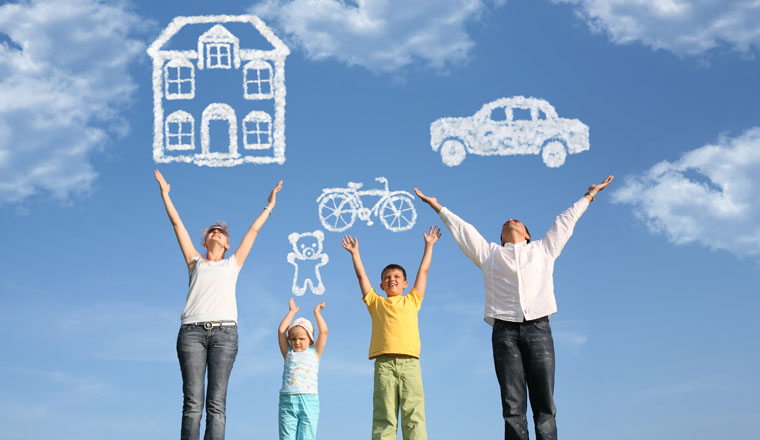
308 244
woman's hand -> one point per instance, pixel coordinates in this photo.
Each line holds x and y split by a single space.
272 199
165 187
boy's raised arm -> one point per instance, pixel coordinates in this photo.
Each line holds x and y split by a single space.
351 244
319 344
282 331
430 238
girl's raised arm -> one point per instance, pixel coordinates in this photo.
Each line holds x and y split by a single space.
282 331
319 344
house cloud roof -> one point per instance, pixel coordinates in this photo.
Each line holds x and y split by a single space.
178 23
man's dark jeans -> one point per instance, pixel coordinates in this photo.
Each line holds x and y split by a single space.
523 354
197 350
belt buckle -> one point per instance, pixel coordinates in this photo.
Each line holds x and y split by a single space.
208 325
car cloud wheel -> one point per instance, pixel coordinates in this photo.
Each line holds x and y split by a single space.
452 152
554 154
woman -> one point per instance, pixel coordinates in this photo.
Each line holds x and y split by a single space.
208 334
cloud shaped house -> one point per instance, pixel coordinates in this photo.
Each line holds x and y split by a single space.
218 92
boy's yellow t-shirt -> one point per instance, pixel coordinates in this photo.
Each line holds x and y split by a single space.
394 324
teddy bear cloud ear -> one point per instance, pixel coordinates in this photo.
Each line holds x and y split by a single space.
319 234
293 237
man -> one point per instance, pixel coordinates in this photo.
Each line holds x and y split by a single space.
519 282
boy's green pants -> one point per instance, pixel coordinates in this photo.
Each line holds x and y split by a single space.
398 385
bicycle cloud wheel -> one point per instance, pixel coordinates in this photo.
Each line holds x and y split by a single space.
398 213
336 212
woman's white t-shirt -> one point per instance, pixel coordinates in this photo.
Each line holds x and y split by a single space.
211 295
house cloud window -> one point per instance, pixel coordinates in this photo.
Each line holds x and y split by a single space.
218 56
218 49
257 80
180 79
179 130
257 130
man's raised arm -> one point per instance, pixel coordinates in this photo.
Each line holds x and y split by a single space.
465 235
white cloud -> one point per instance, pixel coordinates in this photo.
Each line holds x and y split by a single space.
381 35
684 27
710 196
63 78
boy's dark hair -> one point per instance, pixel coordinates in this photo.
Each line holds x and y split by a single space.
393 266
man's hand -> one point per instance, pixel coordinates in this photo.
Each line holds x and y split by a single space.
432 201
594 189
350 244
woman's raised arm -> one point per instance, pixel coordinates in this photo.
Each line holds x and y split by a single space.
247 242
185 243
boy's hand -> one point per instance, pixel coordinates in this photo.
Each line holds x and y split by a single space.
293 306
350 244
432 236
319 307
165 187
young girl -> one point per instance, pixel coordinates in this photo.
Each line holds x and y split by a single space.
299 401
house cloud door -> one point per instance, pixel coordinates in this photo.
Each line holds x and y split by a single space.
219 112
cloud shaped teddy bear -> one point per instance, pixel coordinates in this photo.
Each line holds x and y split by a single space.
307 257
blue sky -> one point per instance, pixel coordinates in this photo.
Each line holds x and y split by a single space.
656 289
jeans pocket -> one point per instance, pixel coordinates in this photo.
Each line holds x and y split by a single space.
230 329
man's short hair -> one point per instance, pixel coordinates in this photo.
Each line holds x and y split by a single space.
526 231
393 266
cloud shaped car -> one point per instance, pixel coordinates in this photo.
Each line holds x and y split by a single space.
507 126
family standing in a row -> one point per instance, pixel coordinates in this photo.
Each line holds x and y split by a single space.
519 284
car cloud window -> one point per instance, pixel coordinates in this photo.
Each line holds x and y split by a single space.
499 114
521 114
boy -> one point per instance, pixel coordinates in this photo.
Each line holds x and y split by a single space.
395 344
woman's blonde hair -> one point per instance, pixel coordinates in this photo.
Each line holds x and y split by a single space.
218 224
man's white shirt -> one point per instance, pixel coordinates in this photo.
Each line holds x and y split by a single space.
519 278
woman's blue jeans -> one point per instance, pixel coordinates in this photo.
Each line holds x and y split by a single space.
199 349
523 354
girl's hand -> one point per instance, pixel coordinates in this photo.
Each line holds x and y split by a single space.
293 306
350 244
319 307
